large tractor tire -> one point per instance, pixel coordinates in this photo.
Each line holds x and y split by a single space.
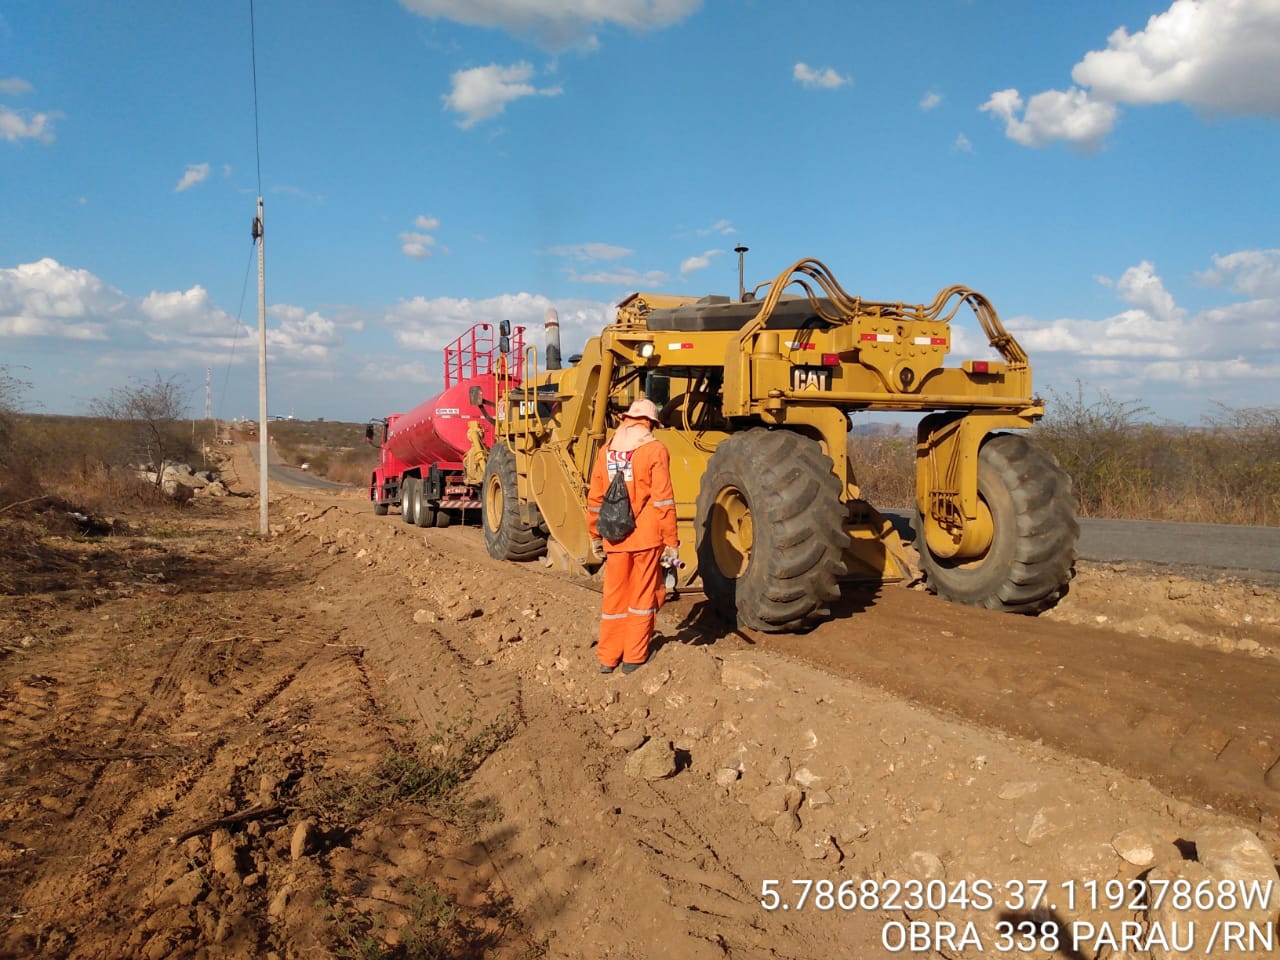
506 537
408 499
1032 555
769 528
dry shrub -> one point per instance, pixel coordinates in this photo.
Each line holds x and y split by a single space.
1227 471
1124 467
884 465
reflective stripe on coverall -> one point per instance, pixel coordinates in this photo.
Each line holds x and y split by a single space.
633 589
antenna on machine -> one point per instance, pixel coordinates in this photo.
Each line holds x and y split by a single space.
740 249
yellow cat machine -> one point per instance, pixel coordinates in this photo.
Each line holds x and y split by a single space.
755 396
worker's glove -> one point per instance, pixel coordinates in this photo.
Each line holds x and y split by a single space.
670 554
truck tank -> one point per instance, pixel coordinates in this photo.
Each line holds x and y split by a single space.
435 431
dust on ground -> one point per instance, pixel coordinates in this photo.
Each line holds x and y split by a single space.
359 738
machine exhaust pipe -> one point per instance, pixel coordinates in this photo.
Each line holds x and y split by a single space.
551 324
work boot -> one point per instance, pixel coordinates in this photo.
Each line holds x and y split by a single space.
631 667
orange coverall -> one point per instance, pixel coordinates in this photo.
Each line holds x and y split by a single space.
633 589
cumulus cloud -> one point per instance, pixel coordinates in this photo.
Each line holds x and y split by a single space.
431 324
302 334
1212 55
49 300
482 93
1252 272
824 78
417 243
558 23
1218 55
699 262
930 100
1156 340
15 86
46 299
963 143
21 125
1069 115
591 251
196 173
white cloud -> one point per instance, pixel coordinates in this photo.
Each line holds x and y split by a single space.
699 262
1213 55
226 169
963 143
591 251
1158 340
1252 272
46 299
930 100
482 93
196 173
824 78
20 125
622 277
303 335
558 23
431 324
416 245
1069 115
1219 55
1141 287
722 227
15 86
1194 373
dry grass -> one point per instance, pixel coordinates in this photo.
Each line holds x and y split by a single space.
1124 467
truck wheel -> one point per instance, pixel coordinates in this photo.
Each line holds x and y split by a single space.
505 536
443 518
769 528
1033 549
381 509
424 513
408 491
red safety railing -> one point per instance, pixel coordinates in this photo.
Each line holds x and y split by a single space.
474 353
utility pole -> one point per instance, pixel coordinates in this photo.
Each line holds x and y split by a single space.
263 527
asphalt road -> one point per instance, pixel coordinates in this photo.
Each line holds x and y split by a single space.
1215 545
282 473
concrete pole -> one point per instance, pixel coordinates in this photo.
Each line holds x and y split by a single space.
263 527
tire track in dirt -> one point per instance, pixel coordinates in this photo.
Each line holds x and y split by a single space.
568 820
1196 721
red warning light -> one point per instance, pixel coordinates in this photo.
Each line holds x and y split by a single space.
831 359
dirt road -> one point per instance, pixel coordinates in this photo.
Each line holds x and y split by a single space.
199 732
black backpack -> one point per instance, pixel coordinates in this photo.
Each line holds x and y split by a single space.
616 521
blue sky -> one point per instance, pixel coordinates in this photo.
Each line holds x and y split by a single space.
1105 172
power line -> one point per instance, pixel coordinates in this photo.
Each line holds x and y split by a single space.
253 57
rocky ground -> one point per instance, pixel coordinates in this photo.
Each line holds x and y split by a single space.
358 738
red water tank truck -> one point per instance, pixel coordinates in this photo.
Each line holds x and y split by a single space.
425 453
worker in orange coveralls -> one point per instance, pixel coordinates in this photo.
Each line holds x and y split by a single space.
633 589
